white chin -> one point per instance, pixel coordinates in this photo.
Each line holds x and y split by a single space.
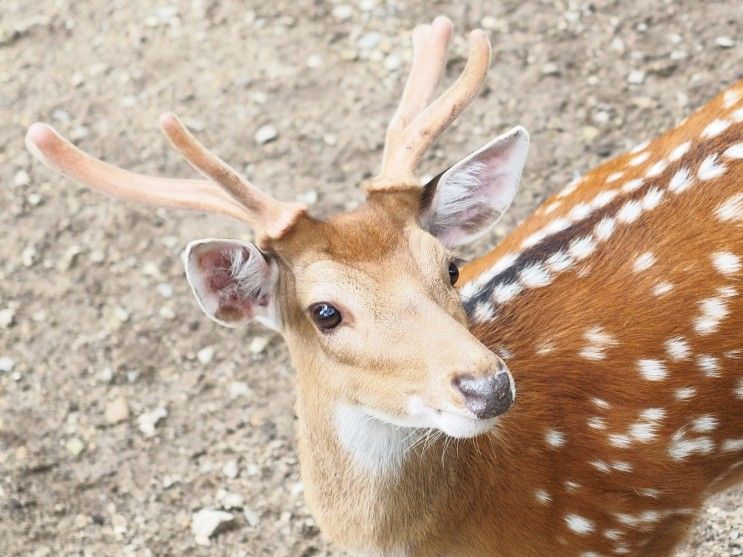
460 427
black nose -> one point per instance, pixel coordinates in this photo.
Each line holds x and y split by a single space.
486 397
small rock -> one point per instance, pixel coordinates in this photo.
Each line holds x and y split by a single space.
724 42
209 522
121 314
117 411
167 313
233 501
369 41
165 290
7 317
149 420
97 256
308 197
238 389
391 63
550 68
7 364
590 133
342 12
489 22
266 134
106 375
258 345
67 261
231 469
34 199
636 77
205 355
75 446
29 256
251 516
21 179
314 61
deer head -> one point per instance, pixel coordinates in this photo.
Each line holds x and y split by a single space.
365 299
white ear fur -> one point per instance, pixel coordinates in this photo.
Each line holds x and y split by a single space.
470 196
233 282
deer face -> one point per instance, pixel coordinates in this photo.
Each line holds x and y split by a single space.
367 302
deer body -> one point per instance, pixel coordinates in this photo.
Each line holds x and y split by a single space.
614 311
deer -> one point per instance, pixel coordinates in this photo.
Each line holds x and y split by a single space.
578 390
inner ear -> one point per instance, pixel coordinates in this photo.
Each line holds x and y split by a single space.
233 281
463 202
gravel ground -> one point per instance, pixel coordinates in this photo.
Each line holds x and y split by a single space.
123 410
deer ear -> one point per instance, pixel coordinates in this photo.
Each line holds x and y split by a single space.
233 282
463 202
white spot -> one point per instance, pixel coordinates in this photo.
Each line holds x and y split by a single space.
554 438
652 199
603 199
621 466
713 311
739 389
653 414
597 422
643 262
730 97
710 168
704 424
631 185
726 262
679 151
709 365
681 447
571 486
732 445
598 341
600 403
613 177
639 147
579 212
680 181
474 286
533 239
570 188
662 288
650 492
613 534
644 432
534 276
737 116
580 248
685 393
630 211
557 225
604 228
544 348
579 524
656 169
621 549
559 261
506 291
551 207
652 370
726 292
639 159
620 441
734 152
731 208
542 496
678 349
626 519
716 127
483 313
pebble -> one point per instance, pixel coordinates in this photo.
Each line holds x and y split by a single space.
208 522
167 313
636 77
392 63
258 345
342 12
7 364
238 389
551 68
7 317
308 197
232 500
231 469
34 199
724 42
149 420
21 179
205 355
29 256
251 516
369 41
590 133
165 290
265 134
117 411
75 446
314 61
106 375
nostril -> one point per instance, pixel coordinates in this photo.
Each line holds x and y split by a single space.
485 397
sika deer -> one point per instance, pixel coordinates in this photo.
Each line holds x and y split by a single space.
616 306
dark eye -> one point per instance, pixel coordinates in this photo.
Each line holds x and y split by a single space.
453 273
325 316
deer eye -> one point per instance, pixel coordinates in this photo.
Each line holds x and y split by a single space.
325 316
453 273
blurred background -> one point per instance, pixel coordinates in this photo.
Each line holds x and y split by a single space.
123 410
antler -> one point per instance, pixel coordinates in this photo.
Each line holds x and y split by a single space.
416 124
227 192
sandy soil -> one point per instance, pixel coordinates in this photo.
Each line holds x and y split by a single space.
98 329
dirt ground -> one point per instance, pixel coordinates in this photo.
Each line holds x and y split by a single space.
99 335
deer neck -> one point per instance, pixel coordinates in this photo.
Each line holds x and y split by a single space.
372 485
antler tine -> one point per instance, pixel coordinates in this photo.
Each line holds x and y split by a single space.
414 127
199 195
268 215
